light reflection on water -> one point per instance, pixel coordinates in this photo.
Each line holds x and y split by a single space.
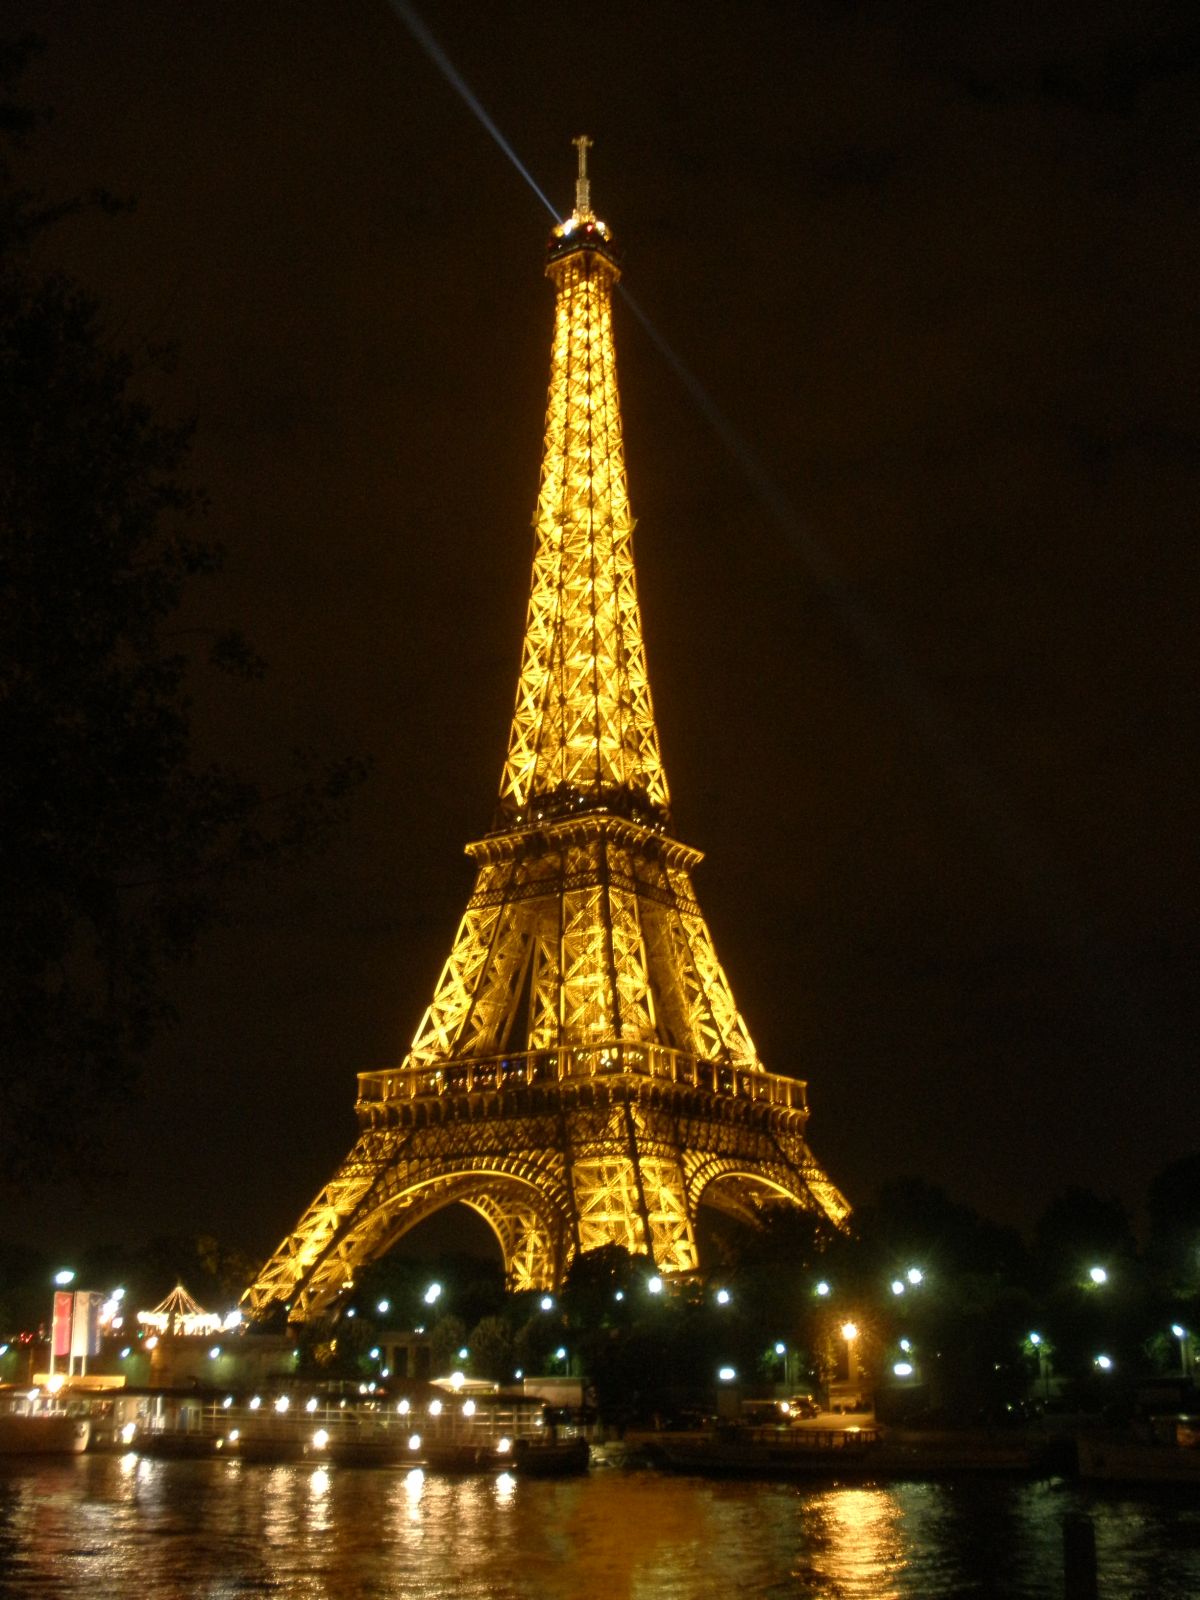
220 1529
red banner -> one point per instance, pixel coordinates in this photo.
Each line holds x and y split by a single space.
64 1305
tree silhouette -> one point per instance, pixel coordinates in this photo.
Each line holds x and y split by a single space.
116 841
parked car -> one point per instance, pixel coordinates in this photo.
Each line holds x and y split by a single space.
800 1407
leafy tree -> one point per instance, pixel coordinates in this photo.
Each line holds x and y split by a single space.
491 1345
1173 1206
117 841
446 1339
1079 1230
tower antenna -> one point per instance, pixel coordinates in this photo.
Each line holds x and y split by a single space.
583 187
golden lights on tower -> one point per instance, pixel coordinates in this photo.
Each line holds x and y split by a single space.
582 1075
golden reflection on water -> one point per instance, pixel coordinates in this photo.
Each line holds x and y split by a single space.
853 1544
165 1530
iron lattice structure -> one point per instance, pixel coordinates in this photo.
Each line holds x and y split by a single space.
583 1075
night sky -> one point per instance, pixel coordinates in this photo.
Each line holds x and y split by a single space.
916 544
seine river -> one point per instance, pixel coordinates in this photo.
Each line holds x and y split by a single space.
113 1527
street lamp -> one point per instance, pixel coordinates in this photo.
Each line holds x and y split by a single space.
1098 1275
850 1334
1041 1351
822 1289
433 1294
63 1277
1184 1338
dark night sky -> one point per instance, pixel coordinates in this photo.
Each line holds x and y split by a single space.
924 700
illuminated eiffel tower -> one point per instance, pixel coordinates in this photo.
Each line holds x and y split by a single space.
583 1075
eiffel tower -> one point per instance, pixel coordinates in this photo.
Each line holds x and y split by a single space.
582 1076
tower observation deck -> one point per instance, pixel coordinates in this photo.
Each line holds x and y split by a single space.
582 1075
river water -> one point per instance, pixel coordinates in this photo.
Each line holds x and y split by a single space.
112 1527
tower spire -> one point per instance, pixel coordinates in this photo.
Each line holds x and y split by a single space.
583 187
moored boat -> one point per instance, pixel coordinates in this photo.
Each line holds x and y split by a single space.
1117 1460
42 1433
768 1452
550 1458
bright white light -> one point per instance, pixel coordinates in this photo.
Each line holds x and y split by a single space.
152 1342
64 1277
781 1349
414 1441
127 1432
1104 1363
726 1374
1035 1339
547 1302
849 1331
905 1346
234 1435
456 1381
432 1293
282 1404
519 1373
435 1408
118 1294
620 1295
1097 1274
384 1307
503 1446
464 1353
903 1369
722 1297
124 1352
233 1320
320 1439
822 1288
227 1402
468 1409
402 1408
560 1354
374 1352
311 1405
897 1286
352 1312
1180 1333
255 1403
654 1284
915 1275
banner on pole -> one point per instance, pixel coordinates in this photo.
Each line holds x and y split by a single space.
85 1323
60 1338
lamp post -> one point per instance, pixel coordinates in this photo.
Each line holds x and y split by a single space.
1043 1363
850 1335
1185 1341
